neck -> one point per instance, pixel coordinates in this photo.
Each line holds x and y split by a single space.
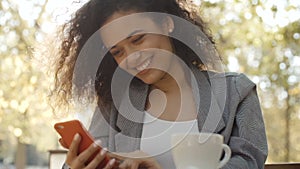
176 103
173 81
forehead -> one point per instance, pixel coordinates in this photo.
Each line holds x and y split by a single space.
122 25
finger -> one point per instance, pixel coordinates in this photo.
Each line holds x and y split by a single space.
129 163
135 165
123 156
110 164
83 157
73 149
62 143
120 156
124 164
98 159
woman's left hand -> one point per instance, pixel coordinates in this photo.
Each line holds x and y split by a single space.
136 160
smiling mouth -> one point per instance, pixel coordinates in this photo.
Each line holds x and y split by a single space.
144 65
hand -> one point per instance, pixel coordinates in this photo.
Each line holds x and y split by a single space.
79 161
136 160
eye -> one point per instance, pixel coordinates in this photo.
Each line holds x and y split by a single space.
137 39
116 53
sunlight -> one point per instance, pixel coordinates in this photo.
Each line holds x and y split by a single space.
233 64
274 13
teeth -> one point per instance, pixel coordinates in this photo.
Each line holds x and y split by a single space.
143 66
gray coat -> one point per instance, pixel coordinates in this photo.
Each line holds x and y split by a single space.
239 120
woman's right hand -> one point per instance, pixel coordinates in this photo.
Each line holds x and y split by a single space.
78 161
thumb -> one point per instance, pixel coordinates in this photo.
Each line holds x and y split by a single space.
135 154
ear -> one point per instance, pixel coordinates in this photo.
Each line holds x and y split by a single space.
168 25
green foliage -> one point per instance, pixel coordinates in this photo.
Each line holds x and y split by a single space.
269 53
24 113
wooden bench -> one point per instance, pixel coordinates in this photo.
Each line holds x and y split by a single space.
283 166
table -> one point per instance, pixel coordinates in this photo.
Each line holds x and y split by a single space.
283 166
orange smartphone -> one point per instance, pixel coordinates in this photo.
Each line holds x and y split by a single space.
67 131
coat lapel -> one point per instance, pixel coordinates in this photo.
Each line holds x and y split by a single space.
209 94
130 120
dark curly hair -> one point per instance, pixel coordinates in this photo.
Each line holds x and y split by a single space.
86 21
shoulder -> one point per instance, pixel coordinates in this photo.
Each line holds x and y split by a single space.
238 82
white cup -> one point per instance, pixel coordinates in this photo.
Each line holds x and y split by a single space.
199 150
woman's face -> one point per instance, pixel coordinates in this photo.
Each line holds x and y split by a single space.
139 45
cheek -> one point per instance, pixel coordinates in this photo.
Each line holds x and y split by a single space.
121 63
163 43
118 60
153 41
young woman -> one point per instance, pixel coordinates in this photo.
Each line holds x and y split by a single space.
150 84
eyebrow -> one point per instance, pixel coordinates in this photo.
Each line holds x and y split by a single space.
128 36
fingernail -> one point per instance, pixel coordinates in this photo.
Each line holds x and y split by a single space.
103 151
98 142
77 136
112 161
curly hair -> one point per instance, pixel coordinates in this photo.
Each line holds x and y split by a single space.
86 21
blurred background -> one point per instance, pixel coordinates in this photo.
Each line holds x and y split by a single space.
260 38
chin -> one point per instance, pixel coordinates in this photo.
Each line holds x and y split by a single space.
152 77
147 81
